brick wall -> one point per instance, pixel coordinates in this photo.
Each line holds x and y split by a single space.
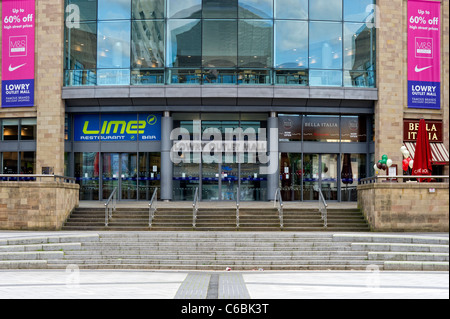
405 207
36 205
391 108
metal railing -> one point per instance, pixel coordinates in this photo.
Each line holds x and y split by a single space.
383 178
108 209
35 177
278 199
152 207
238 195
195 208
323 208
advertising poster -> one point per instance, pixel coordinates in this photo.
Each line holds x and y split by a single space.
424 54
18 33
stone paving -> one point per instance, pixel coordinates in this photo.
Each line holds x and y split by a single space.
130 284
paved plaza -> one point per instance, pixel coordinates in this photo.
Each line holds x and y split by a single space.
73 283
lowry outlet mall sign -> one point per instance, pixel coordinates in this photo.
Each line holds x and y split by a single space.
18 32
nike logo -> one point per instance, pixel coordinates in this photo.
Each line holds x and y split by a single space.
422 69
11 69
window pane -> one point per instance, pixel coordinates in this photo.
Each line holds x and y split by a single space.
114 9
358 10
27 163
184 43
148 44
325 45
81 47
219 43
28 130
190 9
220 9
291 9
114 44
325 10
255 43
148 9
255 9
357 47
9 164
10 130
291 44
325 78
87 10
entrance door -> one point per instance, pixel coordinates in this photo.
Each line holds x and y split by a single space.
220 180
120 170
320 172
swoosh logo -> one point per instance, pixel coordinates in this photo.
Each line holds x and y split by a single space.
12 69
422 69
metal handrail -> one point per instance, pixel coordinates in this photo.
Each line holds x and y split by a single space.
238 195
375 179
323 208
109 210
195 208
152 207
280 205
64 179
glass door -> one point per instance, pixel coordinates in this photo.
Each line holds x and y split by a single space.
320 172
119 170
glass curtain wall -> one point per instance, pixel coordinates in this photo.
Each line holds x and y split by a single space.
281 42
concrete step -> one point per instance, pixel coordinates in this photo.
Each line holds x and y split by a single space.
217 250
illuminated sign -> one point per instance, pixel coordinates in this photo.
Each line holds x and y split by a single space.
117 127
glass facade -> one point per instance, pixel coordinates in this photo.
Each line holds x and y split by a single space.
282 42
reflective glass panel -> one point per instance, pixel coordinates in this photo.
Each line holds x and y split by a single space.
291 9
255 9
184 43
114 9
359 10
325 10
219 44
255 43
220 9
81 47
147 46
149 175
353 129
325 45
358 47
87 174
81 9
113 50
291 44
147 9
189 9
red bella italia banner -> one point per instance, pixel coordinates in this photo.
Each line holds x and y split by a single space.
18 32
424 54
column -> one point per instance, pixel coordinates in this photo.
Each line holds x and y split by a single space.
272 139
166 163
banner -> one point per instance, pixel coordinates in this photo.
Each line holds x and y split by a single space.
424 54
18 31
117 127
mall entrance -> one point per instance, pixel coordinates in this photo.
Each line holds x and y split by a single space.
136 175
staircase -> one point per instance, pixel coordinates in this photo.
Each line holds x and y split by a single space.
216 219
219 250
